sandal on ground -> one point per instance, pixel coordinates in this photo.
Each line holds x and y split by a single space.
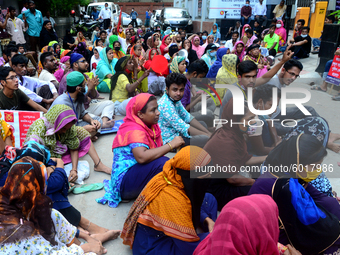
71 188
336 98
318 88
88 187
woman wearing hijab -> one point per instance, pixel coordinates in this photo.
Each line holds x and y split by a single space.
231 138
240 224
178 65
153 42
68 41
27 221
216 33
164 218
47 34
121 32
133 41
254 54
138 151
244 29
105 69
164 48
80 38
63 69
123 88
209 56
192 55
117 50
196 46
58 132
309 219
95 59
167 31
281 32
213 70
239 50
227 74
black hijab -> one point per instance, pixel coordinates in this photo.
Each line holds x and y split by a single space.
47 36
68 38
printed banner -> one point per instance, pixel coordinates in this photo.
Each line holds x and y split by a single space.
333 76
229 9
20 122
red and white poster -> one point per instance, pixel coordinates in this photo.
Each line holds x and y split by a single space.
20 122
333 76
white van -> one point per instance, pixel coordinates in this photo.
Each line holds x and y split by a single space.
115 9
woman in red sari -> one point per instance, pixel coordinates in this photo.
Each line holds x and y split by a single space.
138 151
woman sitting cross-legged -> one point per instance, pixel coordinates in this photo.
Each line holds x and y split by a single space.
58 132
164 218
57 190
27 221
138 151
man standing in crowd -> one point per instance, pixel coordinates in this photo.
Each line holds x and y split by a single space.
35 21
271 41
280 10
16 27
133 16
147 18
11 97
106 15
302 44
260 13
95 14
48 17
246 13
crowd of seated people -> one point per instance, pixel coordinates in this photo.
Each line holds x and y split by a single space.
163 150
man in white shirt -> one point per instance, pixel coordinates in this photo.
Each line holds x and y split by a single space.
260 12
47 91
231 43
16 27
106 15
49 64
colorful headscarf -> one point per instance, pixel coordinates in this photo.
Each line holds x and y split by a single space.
6 130
242 54
105 67
238 228
164 204
134 130
282 33
44 130
25 210
164 45
199 49
148 61
64 53
175 62
121 34
244 29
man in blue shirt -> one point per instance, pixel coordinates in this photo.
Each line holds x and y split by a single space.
94 13
34 19
133 16
147 18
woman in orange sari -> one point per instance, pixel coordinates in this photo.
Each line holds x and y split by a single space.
7 135
164 218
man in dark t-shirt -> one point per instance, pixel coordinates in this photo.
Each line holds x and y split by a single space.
302 44
11 97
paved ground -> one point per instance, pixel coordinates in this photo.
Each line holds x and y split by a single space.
114 218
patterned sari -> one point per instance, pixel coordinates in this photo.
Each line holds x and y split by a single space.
164 204
45 131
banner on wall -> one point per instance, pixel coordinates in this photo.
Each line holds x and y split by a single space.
20 122
333 76
229 9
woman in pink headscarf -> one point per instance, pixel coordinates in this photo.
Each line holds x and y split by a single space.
239 50
197 47
246 225
281 32
245 27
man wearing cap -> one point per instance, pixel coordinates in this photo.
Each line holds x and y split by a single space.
104 109
106 15
74 97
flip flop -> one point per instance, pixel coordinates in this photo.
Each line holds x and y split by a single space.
71 188
88 187
318 88
336 98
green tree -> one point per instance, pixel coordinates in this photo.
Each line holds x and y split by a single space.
59 8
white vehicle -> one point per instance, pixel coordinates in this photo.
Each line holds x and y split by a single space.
115 9
126 20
